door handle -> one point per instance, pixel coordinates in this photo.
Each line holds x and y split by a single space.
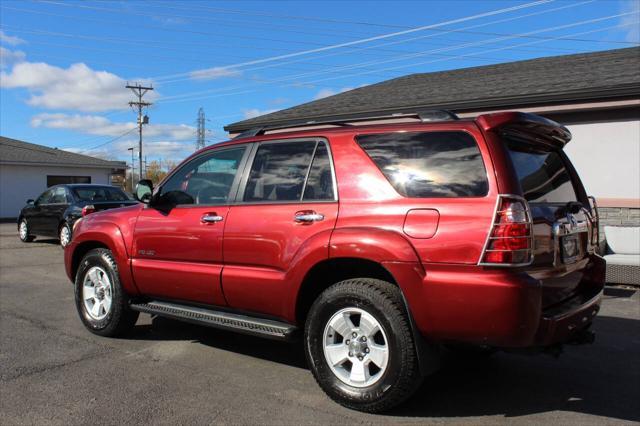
308 216
211 218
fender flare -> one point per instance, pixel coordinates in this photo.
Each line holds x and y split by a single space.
109 235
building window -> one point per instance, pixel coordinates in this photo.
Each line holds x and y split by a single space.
60 180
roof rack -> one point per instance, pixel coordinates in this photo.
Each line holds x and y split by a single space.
343 120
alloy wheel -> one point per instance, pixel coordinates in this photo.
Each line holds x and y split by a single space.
356 347
97 293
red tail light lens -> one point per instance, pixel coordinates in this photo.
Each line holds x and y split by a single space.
511 235
88 209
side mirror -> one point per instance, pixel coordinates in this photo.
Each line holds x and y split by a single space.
144 188
30 202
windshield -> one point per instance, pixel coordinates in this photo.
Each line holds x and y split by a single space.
100 193
542 173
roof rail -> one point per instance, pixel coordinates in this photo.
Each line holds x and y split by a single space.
345 120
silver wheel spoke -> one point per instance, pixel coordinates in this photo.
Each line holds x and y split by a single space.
368 325
89 292
359 372
343 325
378 354
106 303
95 309
337 353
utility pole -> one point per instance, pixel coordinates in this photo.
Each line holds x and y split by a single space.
140 91
201 130
132 167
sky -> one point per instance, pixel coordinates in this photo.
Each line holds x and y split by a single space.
64 64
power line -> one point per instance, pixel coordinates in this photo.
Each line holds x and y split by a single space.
388 43
403 57
392 68
110 140
383 36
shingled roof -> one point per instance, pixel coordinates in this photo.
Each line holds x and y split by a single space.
611 74
13 151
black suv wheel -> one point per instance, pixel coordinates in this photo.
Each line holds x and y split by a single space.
360 347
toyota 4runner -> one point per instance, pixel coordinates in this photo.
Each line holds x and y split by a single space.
379 243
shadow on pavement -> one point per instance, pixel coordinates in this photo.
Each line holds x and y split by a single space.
601 379
288 353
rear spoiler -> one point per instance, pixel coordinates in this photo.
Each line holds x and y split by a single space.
527 126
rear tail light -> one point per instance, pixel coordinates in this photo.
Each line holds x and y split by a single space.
88 209
510 239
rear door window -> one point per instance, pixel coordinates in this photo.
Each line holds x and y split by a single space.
279 171
429 164
542 173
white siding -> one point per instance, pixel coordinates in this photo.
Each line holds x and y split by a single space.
607 157
19 183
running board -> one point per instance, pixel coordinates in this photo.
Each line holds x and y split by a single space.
219 319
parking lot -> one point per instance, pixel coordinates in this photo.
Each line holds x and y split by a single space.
53 371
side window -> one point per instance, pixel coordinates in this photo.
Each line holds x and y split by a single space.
320 181
45 197
278 171
429 164
59 196
206 179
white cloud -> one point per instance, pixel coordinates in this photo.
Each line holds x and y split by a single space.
214 73
10 57
77 87
254 112
325 93
102 126
10 40
631 27
166 150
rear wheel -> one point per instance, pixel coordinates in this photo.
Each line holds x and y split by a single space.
100 300
360 346
23 232
65 235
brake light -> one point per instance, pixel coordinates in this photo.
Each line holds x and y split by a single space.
88 209
510 239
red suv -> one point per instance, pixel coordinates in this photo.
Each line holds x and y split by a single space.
380 243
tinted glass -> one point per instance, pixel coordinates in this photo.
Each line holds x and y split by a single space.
59 196
433 164
320 182
278 171
542 173
45 197
99 193
206 179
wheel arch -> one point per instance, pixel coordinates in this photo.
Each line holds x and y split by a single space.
324 274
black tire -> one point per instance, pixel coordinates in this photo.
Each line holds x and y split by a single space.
384 302
120 318
28 237
66 226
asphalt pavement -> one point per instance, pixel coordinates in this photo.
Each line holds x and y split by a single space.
53 371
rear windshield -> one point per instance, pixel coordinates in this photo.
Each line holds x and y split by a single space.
542 173
100 193
429 164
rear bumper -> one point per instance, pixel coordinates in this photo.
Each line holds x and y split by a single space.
496 307
562 323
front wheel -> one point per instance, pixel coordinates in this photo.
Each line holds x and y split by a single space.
23 232
360 346
100 300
